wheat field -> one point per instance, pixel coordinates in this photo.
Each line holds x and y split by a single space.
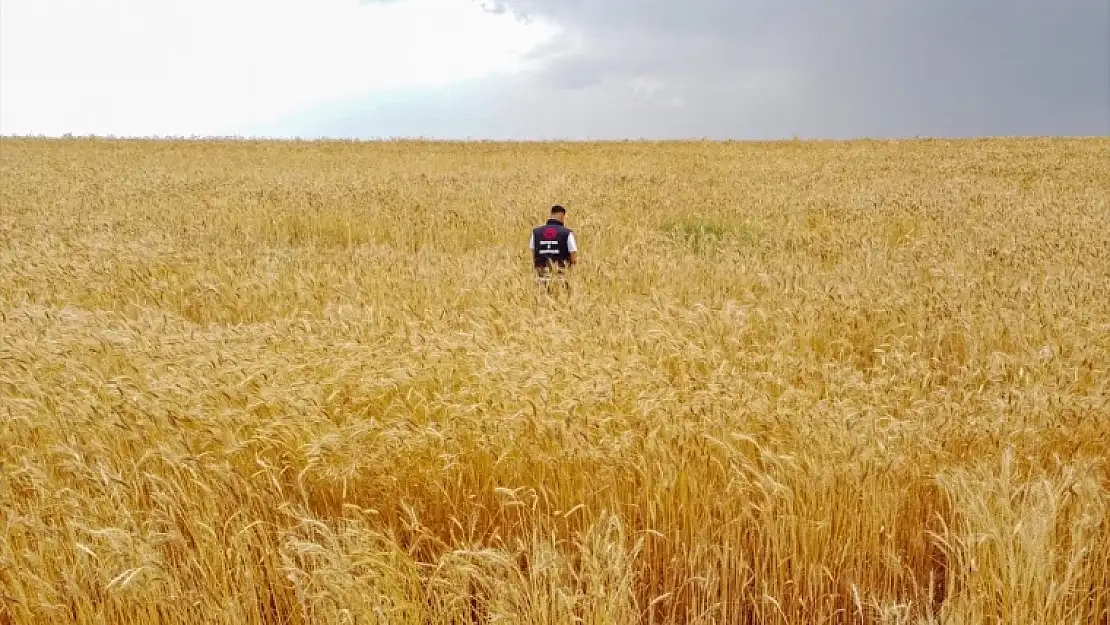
794 382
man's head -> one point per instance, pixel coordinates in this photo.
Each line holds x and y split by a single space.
558 212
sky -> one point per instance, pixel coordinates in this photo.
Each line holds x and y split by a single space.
555 69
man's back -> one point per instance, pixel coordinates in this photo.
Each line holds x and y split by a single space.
553 243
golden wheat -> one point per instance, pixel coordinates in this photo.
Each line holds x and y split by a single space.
861 382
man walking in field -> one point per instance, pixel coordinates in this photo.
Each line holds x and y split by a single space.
554 250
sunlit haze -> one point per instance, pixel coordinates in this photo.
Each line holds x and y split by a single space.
154 67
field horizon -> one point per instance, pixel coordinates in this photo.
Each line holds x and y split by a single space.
246 140
795 381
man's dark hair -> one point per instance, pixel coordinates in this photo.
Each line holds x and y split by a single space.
558 210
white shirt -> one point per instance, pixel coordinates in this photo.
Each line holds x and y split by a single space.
571 245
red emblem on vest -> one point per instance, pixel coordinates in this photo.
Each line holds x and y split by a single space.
549 233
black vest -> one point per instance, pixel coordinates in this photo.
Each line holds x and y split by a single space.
552 244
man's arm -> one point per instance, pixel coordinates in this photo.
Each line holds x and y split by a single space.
572 245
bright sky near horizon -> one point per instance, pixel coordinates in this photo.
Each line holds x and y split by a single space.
543 69
216 67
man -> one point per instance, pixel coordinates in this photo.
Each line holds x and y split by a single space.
553 247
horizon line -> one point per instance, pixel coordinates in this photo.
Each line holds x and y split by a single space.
233 138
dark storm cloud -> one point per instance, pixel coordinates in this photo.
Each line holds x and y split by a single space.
817 68
845 67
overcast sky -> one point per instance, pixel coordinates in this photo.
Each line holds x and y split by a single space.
540 69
